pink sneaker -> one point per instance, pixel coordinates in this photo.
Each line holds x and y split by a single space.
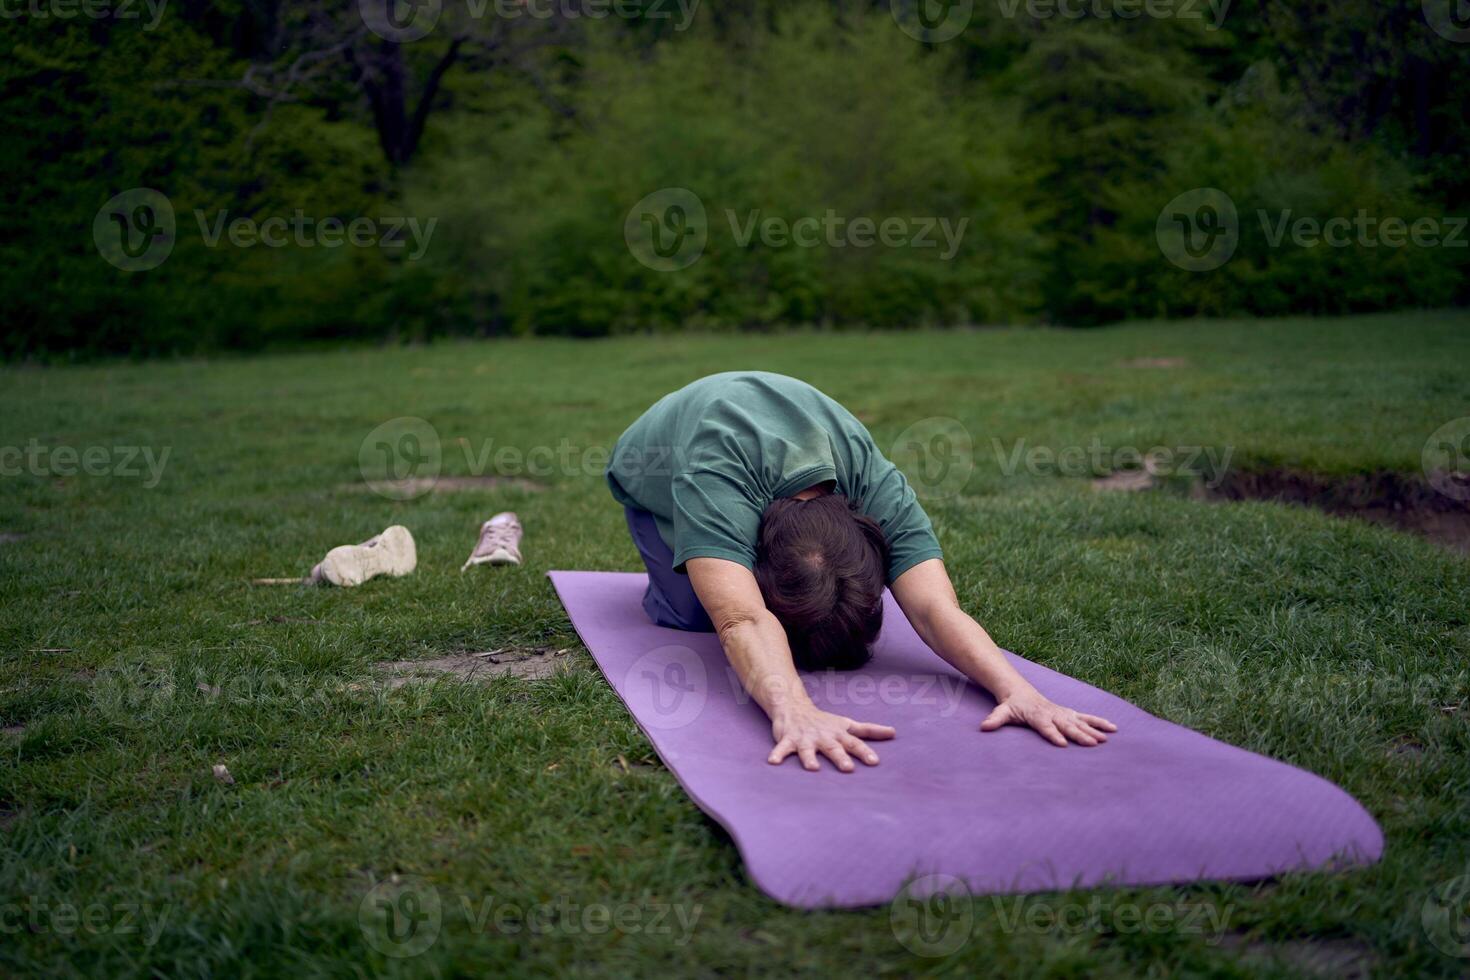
500 542
390 553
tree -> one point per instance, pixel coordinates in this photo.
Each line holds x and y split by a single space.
395 55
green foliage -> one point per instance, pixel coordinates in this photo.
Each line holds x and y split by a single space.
785 130
1276 175
110 106
1057 140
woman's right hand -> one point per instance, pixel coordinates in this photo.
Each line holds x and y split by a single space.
807 730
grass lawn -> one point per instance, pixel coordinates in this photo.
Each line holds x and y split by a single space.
135 653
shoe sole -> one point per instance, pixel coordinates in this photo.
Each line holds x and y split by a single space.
353 564
498 557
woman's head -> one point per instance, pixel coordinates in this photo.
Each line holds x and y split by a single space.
821 567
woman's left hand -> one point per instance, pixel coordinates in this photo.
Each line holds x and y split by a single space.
1053 722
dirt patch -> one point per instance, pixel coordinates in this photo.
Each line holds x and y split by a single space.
1405 746
274 619
622 764
1155 362
405 489
1397 500
532 664
1341 959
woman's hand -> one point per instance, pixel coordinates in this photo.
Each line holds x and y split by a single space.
1053 722
806 730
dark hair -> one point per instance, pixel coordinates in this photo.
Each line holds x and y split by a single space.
821 566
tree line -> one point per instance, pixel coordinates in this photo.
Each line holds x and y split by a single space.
253 173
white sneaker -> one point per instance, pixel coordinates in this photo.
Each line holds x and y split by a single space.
390 553
500 542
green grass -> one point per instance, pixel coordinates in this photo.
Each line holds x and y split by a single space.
1336 646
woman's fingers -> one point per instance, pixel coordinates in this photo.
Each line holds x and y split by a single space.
1059 726
864 729
837 754
1002 715
823 734
858 749
1077 732
807 752
840 749
1049 731
841 740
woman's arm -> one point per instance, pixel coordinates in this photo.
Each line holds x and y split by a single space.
927 598
755 644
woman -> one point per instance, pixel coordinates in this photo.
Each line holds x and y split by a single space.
765 513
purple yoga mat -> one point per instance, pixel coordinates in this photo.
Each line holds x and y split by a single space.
1002 811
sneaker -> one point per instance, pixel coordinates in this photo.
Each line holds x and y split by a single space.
390 553
500 542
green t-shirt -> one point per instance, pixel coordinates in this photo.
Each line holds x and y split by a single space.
707 459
